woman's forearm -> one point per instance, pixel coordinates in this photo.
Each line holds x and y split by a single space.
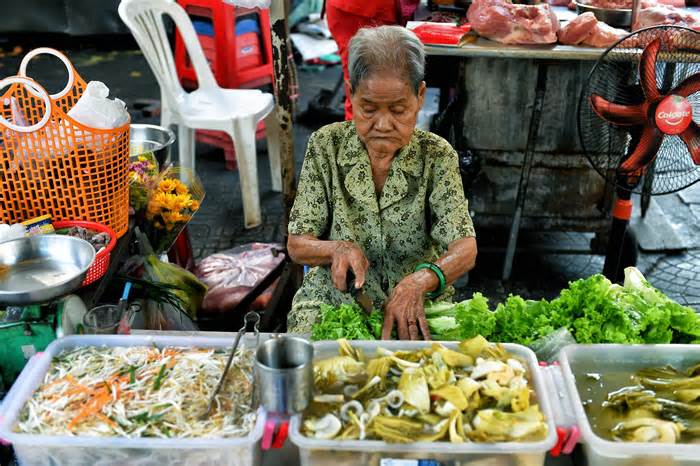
459 259
342 256
309 250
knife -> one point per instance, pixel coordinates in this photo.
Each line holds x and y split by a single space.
359 295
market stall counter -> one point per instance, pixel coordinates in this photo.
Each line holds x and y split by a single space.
517 114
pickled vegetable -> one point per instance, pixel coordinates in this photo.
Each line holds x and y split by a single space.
477 392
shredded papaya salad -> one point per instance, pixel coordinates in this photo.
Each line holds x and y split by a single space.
142 392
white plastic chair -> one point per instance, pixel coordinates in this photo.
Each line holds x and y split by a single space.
234 111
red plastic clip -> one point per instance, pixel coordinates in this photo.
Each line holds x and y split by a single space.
574 437
268 434
561 440
2 440
281 436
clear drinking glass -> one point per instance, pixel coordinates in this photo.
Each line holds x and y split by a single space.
102 320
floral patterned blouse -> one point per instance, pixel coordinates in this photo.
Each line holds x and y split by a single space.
420 211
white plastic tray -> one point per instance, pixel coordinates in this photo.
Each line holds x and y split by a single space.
378 453
61 450
581 359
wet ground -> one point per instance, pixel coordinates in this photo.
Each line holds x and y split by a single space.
219 224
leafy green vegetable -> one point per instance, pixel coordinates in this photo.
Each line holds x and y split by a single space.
593 309
346 321
375 323
442 325
521 321
475 318
439 309
460 321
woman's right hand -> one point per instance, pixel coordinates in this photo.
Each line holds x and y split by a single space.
347 255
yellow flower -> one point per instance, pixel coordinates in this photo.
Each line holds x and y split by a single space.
172 219
153 208
194 206
181 188
167 185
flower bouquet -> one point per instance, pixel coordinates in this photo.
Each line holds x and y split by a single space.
143 171
175 197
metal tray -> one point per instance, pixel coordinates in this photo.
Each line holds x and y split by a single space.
619 18
40 268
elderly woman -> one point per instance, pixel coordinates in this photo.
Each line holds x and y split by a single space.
380 199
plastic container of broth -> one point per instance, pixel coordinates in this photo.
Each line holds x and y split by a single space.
591 371
62 450
313 452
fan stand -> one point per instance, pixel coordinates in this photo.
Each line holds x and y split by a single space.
622 246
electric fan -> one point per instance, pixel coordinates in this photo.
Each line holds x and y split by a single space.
637 122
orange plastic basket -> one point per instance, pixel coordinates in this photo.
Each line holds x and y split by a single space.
101 263
51 164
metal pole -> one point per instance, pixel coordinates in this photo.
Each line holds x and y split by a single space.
283 102
527 167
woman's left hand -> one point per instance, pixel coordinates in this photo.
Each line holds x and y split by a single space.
405 309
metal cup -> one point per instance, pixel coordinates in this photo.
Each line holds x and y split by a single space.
284 374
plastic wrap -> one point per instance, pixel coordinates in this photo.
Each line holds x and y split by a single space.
230 275
547 348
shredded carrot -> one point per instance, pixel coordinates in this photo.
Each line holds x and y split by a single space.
111 423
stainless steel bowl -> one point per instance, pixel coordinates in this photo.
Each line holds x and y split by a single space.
619 18
41 268
151 138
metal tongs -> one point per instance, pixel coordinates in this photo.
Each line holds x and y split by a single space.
251 318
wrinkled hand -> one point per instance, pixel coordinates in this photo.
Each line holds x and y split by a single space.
405 309
348 255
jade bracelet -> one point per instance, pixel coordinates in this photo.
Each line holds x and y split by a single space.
439 274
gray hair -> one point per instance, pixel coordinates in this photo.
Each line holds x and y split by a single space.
386 48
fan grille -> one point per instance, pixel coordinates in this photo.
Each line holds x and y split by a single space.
616 78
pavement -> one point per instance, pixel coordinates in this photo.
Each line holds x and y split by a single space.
537 273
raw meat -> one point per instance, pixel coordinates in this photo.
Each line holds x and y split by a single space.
627 4
664 14
676 3
587 30
605 35
232 274
504 22
578 29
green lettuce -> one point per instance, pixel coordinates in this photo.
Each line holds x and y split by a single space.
593 309
522 321
460 321
345 321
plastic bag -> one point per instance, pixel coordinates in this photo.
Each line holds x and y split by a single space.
10 232
94 109
249 3
547 348
163 316
230 275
